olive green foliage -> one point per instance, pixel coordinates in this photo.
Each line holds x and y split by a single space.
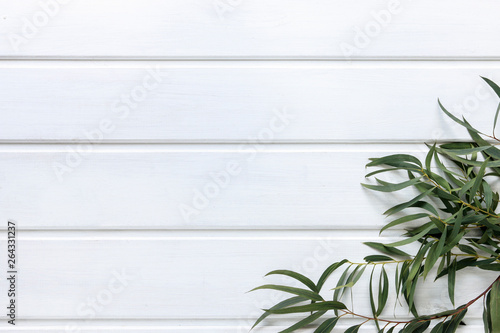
453 224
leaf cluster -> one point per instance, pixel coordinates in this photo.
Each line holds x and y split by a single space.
452 220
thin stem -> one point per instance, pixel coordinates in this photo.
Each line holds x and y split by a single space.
462 308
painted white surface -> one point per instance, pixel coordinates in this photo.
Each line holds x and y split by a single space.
170 92
167 186
187 275
224 101
251 28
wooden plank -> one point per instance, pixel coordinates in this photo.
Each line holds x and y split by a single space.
145 326
243 101
249 29
182 276
195 186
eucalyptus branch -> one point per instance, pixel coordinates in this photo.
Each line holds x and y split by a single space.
454 222
427 318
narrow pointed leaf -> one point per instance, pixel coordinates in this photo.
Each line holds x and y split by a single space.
455 119
391 187
304 322
281 305
319 306
377 258
409 203
394 160
297 276
451 280
388 250
411 239
479 178
404 219
296 291
353 329
495 307
438 328
327 326
383 291
435 253
326 274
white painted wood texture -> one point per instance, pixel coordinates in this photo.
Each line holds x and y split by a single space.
249 29
169 92
120 186
184 275
179 101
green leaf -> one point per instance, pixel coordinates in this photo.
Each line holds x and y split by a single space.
467 151
417 327
441 181
355 276
493 85
297 276
438 328
495 88
353 329
411 286
479 178
451 280
418 261
439 224
488 195
496 118
380 171
490 267
319 306
451 175
458 121
296 291
327 326
372 299
304 322
467 262
483 248
391 187
377 258
407 204
452 325
466 187
425 205
387 250
383 291
404 219
467 249
281 305
340 282
428 158
493 152
411 239
487 314
326 274
469 162
434 253
394 160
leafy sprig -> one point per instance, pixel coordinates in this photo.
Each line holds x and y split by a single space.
454 223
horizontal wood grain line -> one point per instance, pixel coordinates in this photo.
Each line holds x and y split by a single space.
218 147
205 234
255 59
473 325
248 63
